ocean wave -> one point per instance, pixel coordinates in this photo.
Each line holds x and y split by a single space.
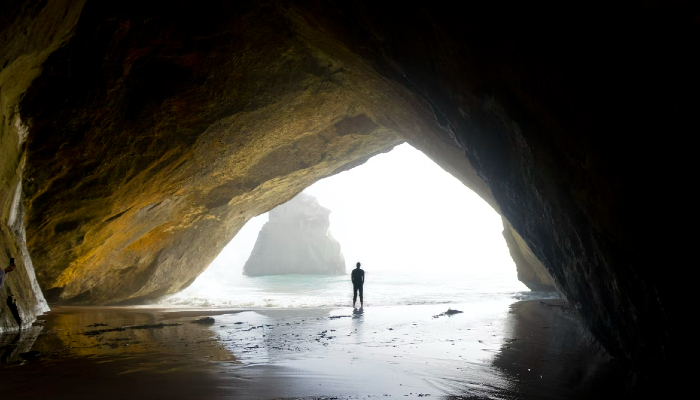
298 291
325 303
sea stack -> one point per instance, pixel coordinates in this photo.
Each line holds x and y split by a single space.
296 240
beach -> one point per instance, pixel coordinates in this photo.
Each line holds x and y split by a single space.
529 349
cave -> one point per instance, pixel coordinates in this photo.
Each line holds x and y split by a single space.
130 128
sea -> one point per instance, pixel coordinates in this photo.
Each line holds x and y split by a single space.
382 288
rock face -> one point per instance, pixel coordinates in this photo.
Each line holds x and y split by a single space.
531 272
296 240
145 134
29 33
177 145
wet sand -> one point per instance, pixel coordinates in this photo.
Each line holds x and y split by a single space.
528 350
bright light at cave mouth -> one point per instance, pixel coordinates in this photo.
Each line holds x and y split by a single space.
421 235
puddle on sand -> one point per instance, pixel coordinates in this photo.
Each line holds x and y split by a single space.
161 341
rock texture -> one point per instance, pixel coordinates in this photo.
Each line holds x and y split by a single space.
156 129
531 272
29 33
296 240
206 119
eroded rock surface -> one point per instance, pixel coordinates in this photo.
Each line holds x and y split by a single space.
531 272
296 240
172 145
149 123
29 33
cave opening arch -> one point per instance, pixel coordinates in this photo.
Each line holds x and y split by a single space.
400 214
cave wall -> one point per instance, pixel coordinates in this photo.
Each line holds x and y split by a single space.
171 145
556 107
182 125
156 122
530 270
29 33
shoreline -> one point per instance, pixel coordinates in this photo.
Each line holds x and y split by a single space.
524 350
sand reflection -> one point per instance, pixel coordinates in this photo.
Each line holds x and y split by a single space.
15 347
124 333
532 351
546 353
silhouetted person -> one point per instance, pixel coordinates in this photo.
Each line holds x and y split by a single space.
11 303
358 279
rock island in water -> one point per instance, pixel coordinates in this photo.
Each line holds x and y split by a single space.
296 240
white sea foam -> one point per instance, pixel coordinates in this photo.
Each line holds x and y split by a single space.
381 289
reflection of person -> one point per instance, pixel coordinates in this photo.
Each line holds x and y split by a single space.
8 269
358 279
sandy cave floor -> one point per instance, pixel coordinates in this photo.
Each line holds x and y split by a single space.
526 350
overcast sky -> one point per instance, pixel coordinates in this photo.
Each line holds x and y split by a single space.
400 211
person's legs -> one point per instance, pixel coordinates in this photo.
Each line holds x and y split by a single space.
354 297
361 300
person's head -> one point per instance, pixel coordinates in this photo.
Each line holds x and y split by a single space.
358 265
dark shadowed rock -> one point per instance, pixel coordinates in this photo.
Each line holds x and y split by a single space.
296 240
531 272
450 312
97 332
204 321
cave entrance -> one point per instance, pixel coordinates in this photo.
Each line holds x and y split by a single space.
421 235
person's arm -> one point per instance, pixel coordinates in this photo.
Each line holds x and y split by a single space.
363 277
10 268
